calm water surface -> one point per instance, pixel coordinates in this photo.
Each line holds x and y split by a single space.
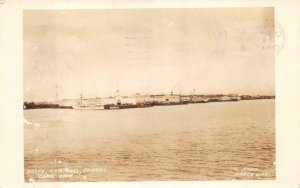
212 141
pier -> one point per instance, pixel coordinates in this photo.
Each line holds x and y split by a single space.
139 101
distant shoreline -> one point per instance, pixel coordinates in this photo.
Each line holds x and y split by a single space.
182 100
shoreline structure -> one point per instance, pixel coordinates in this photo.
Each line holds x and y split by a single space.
139 101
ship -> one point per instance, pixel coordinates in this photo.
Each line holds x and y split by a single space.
126 106
121 106
213 100
84 104
197 99
88 108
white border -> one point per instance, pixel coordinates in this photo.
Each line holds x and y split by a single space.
287 90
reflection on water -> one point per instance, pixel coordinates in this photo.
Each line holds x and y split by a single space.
213 141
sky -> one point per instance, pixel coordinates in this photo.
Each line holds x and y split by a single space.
148 51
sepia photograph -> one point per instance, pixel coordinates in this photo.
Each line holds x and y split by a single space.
153 94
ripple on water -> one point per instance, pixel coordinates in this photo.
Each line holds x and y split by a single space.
191 142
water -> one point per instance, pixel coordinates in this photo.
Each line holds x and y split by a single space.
212 141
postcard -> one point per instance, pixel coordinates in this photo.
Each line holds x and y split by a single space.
145 95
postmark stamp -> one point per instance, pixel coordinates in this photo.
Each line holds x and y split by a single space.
216 39
279 36
272 35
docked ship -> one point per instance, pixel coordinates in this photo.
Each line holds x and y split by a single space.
85 104
198 99
172 99
213 100
88 107
230 98
120 105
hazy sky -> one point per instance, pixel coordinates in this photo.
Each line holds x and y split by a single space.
223 50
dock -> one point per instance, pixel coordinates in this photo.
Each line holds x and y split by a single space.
139 101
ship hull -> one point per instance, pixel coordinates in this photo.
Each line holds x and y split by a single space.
88 108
